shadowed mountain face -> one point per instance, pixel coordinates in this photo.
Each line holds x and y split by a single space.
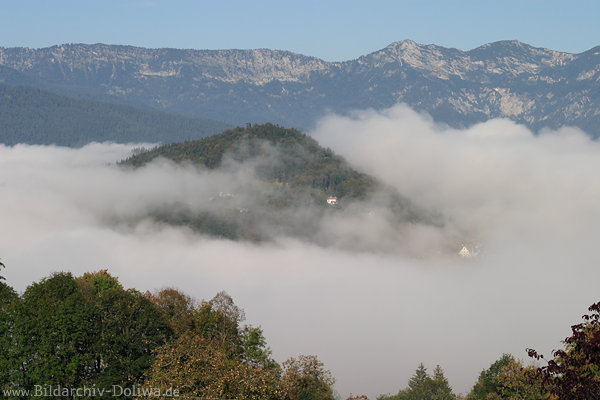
537 87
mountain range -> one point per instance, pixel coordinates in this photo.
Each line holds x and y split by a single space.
507 79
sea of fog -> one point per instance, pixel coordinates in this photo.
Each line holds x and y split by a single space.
530 200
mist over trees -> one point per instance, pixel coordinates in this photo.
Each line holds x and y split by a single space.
286 178
88 331
214 328
573 373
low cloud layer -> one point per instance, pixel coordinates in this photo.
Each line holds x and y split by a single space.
371 316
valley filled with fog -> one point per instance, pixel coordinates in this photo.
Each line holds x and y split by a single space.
372 302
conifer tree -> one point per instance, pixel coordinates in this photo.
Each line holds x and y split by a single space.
441 390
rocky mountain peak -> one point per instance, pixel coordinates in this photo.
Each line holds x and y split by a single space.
404 49
405 52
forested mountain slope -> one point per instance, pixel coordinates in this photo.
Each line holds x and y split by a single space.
36 116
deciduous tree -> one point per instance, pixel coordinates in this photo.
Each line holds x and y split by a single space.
256 352
54 335
8 301
176 308
487 384
574 373
305 378
218 320
514 382
130 328
198 367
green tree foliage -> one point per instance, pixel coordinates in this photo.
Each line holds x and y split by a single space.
516 382
36 116
8 298
507 378
256 352
421 386
574 373
54 333
299 161
440 388
212 354
218 320
488 382
130 328
89 331
74 332
91 284
293 172
305 378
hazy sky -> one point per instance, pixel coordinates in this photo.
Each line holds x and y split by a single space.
334 30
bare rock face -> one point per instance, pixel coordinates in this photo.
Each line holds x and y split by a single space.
537 87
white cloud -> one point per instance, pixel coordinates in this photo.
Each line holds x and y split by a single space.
372 317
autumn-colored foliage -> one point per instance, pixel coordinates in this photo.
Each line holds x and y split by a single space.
305 378
198 367
507 378
574 373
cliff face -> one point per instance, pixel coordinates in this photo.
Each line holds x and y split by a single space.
538 87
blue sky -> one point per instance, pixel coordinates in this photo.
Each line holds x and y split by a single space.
333 30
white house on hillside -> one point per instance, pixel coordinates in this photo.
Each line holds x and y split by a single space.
464 252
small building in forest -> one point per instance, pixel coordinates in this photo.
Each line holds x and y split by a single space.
470 250
464 252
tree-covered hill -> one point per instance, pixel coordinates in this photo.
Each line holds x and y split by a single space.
289 178
35 116
299 160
